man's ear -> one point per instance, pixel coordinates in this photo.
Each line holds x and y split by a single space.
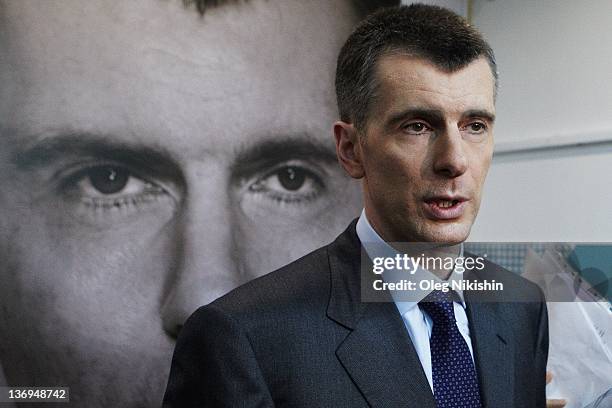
348 149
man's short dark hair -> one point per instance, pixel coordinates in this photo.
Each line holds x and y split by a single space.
419 30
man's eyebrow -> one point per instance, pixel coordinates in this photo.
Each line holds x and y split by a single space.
432 115
436 116
480 113
50 149
275 150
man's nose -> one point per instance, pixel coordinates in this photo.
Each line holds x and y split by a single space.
205 266
449 159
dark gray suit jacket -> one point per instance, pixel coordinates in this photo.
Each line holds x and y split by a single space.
300 337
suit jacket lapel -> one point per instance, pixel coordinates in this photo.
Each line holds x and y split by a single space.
377 353
494 352
380 358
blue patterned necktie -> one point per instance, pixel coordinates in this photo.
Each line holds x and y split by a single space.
455 384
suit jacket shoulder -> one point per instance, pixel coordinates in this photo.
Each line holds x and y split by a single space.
301 336
302 283
272 333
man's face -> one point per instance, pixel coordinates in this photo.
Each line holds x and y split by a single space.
427 149
152 160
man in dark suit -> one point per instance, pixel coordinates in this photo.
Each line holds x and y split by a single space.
416 88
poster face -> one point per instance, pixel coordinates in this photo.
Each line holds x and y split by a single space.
153 159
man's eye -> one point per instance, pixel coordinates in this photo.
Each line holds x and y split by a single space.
110 186
289 184
476 127
415 127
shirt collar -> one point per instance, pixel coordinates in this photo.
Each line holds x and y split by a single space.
375 246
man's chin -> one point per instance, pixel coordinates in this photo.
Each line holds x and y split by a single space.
447 233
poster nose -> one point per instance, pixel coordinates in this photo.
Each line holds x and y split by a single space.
207 264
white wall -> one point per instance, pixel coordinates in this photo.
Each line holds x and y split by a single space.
552 176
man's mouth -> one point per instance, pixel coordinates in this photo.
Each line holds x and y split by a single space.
446 203
444 208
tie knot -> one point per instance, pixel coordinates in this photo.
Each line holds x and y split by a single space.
439 306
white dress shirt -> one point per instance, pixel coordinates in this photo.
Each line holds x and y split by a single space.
417 322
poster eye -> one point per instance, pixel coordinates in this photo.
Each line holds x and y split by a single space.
108 179
108 182
291 178
289 183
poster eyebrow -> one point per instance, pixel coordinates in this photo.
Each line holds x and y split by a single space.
52 148
277 149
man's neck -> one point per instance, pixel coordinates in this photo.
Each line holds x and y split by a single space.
431 250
